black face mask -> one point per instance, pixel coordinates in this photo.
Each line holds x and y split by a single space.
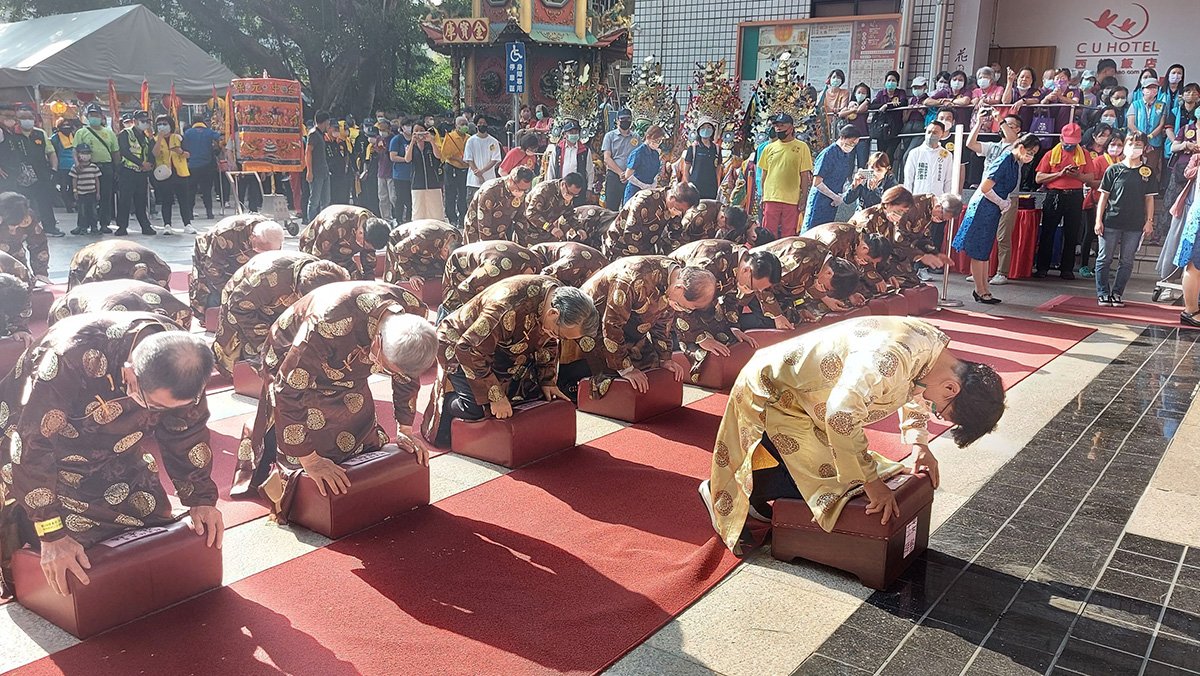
482 128
625 124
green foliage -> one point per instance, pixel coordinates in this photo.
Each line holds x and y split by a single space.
429 94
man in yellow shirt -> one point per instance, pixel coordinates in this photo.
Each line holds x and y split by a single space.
787 167
452 146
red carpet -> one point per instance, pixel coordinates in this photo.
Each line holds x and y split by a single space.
560 567
1132 313
1014 347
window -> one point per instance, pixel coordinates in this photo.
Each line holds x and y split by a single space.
827 8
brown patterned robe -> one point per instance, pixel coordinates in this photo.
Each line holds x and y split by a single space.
74 442
217 255
801 260
545 209
118 259
640 226
28 245
336 234
842 240
496 339
316 362
911 237
415 250
722 258
699 222
635 318
571 263
121 295
14 267
252 300
474 267
591 222
491 212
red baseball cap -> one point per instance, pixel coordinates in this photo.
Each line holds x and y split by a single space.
1072 133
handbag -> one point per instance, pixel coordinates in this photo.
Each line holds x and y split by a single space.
1042 125
26 176
884 126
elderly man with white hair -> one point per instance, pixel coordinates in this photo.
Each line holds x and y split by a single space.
222 250
453 145
320 412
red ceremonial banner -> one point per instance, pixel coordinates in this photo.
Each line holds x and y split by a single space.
266 117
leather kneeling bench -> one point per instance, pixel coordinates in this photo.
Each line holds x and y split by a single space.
835 317
624 403
922 299
769 337
535 430
876 554
383 483
431 293
893 304
717 372
132 575
40 301
247 381
212 319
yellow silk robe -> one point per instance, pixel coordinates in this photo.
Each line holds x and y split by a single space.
813 395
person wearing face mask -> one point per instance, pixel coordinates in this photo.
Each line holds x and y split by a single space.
542 121
887 119
977 234
341 167
1174 86
544 310
988 91
1178 149
40 155
833 101
571 155
1021 94
494 206
455 169
1089 100
424 157
85 185
617 146
868 185
957 96
1124 217
63 142
1062 173
929 169
831 172
148 379
1103 152
1148 114
914 121
385 331
482 155
1063 96
133 178
105 151
644 164
740 276
523 155
700 160
786 165
1119 100
639 299
991 152
794 427
168 152
855 115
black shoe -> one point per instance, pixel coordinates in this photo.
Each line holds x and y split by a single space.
1069 276
148 231
986 299
121 232
77 231
209 215
1189 319
1039 274
55 233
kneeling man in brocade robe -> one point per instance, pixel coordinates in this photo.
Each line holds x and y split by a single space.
77 411
793 427
319 410
502 347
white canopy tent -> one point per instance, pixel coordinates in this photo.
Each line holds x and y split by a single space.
80 52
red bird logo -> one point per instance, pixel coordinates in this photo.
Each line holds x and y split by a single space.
1128 29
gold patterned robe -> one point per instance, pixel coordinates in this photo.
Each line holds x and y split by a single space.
801 260
336 234
491 212
497 340
722 258
121 295
812 395
28 245
474 267
415 250
545 209
316 362
635 319
571 263
911 237
640 226
252 300
591 223
74 443
699 222
218 254
118 259
14 267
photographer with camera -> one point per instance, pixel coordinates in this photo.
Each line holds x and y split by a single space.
868 185
425 158
990 151
1062 172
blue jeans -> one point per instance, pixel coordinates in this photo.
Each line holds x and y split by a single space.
1112 241
318 194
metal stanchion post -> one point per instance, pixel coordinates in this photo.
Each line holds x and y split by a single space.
951 223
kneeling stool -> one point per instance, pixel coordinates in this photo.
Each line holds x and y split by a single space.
535 430
717 372
876 554
212 319
247 381
383 483
133 574
622 402
922 299
891 304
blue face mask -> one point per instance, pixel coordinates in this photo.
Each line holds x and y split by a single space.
706 132
1068 146
890 86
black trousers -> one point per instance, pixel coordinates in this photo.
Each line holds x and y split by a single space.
772 483
250 193
108 192
402 210
202 182
170 192
41 201
1087 236
455 196
614 191
132 195
1065 207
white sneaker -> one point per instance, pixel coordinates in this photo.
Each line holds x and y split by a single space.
1116 301
970 278
706 496
189 230
924 275
998 280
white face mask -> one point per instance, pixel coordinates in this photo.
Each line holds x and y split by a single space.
956 85
984 82
1110 121
1175 78
1133 152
